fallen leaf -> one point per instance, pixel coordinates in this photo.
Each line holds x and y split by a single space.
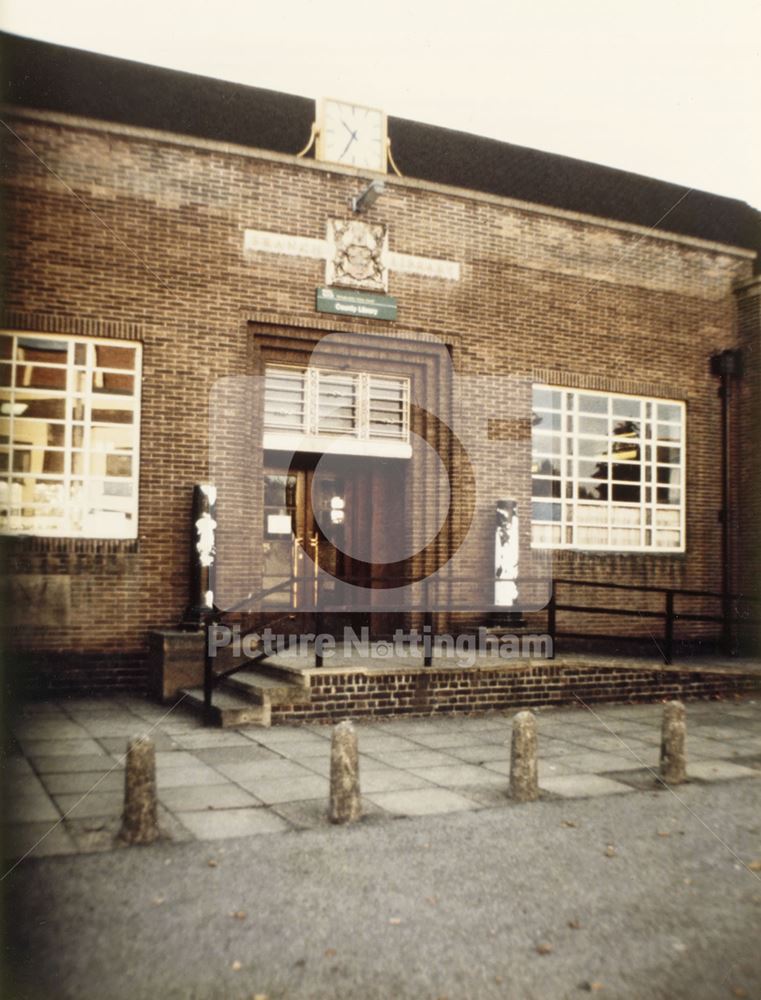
755 866
568 822
211 863
575 924
544 948
498 980
239 914
394 920
236 966
330 952
610 851
591 987
664 833
738 991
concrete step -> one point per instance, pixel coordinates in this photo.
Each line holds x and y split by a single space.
229 710
262 687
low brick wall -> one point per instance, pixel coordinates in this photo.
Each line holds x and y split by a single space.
429 692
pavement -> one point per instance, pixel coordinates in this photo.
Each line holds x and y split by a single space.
64 768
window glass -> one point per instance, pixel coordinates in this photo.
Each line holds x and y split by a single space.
68 424
622 467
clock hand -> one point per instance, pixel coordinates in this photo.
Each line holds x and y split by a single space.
352 138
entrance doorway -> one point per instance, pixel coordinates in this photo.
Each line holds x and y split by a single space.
331 528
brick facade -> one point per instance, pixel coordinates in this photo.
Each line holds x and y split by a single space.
120 232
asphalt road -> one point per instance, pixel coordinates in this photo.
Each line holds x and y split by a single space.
513 902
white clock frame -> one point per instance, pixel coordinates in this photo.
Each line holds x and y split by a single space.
326 153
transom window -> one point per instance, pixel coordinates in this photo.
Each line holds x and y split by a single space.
317 409
69 434
607 471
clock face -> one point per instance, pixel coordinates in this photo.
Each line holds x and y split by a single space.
352 135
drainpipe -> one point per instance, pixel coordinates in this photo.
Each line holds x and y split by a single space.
726 365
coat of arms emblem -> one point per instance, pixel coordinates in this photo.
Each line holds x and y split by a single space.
357 257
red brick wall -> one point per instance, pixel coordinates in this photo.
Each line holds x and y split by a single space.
439 692
145 240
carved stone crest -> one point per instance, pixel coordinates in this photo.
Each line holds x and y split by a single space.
357 255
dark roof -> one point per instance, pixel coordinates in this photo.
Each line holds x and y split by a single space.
57 78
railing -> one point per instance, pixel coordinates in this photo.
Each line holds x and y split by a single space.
667 614
212 619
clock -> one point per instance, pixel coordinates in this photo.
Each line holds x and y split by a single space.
352 135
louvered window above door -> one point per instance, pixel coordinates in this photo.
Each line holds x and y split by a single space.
317 409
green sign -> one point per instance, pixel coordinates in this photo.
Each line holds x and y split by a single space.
344 302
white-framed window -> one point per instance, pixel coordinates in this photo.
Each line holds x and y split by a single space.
319 409
69 436
607 471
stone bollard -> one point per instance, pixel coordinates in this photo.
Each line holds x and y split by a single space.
139 819
345 803
673 768
524 778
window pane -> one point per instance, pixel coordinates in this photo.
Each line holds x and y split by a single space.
546 488
44 351
546 398
592 425
592 404
337 404
387 408
548 444
546 511
546 466
546 421
284 398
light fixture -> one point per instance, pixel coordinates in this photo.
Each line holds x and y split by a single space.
373 191
13 409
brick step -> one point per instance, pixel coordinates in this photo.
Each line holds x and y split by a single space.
262 686
229 710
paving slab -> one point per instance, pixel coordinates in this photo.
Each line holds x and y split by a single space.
180 777
423 802
90 804
262 770
36 840
84 781
455 775
41 728
177 758
209 739
436 741
273 790
60 748
410 758
222 824
719 770
481 753
190 799
582 786
64 764
32 808
390 780
596 761
118 744
235 755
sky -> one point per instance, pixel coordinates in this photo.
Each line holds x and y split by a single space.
667 88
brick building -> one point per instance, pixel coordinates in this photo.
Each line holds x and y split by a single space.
190 297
